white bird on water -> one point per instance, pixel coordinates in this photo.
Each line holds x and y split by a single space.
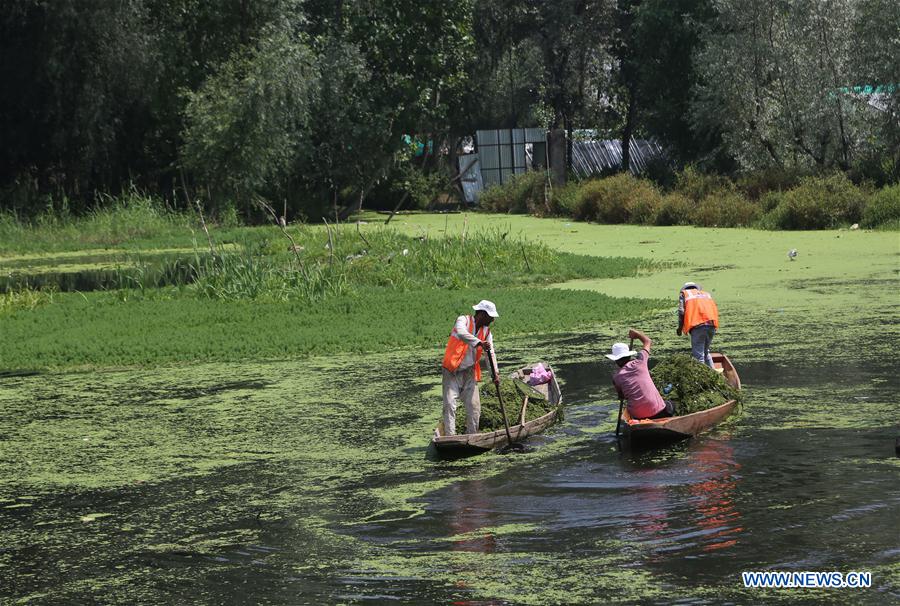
792 254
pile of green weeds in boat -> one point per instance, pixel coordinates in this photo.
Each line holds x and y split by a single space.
694 386
491 417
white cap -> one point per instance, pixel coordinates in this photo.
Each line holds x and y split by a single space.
691 285
620 350
488 307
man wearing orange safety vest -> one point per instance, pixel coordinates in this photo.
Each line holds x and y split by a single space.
699 317
461 368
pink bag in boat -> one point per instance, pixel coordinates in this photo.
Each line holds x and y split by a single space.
539 375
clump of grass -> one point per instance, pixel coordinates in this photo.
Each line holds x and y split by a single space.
695 386
24 299
341 261
113 221
492 418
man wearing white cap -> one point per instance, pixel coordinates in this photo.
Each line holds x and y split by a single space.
461 368
698 316
633 382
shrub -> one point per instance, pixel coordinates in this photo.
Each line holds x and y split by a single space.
770 201
423 186
818 203
659 171
674 209
644 204
696 186
883 208
760 183
614 199
564 199
523 193
725 210
877 168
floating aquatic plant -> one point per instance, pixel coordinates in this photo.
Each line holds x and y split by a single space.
491 416
694 386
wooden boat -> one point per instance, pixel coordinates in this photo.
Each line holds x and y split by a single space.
652 432
465 444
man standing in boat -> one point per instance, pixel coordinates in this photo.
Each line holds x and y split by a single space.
633 382
698 316
471 335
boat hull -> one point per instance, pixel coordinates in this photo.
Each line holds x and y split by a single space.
467 444
660 432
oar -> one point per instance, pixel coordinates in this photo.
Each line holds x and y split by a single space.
510 446
621 400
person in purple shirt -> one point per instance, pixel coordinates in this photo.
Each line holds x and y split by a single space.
633 382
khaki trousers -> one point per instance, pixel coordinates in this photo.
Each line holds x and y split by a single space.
461 385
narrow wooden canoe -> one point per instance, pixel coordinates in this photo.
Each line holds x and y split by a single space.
464 444
651 432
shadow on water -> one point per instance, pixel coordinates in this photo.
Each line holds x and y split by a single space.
172 271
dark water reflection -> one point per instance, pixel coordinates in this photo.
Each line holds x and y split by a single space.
740 498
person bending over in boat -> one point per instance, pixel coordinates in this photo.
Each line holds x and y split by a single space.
461 366
633 382
698 316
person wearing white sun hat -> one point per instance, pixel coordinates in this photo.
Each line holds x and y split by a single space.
633 382
461 368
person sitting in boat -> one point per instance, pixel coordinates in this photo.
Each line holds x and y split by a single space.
471 335
698 316
633 382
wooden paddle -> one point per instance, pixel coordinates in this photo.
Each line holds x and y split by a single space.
621 400
510 446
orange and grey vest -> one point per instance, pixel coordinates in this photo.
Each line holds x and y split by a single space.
457 348
699 308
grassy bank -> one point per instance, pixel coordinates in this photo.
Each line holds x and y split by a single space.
262 295
99 329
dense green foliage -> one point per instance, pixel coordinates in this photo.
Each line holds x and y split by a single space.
810 202
113 329
817 203
320 107
617 199
257 296
694 386
883 209
525 193
151 247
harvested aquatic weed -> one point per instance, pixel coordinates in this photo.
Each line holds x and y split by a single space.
491 417
695 386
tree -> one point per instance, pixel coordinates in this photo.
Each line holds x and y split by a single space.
771 74
74 99
246 124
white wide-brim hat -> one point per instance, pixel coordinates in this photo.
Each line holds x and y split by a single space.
620 350
487 307
691 285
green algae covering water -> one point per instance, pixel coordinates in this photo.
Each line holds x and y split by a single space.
282 483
